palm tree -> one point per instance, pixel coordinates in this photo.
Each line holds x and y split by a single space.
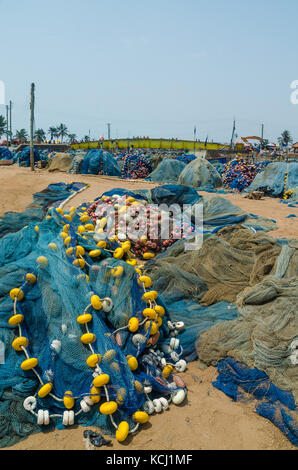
285 139
62 131
72 138
22 135
53 132
40 135
2 126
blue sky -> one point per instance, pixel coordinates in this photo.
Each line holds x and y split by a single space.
154 68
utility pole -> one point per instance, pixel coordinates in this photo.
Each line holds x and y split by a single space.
10 122
234 128
262 132
7 131
109 130
32 126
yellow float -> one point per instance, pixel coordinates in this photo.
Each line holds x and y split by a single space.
93 360
88 338
29 364
101 380
45 390
68 400
122 431
96 302
108 408
16 293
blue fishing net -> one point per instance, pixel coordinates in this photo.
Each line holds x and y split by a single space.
5 154
200 174
136 166
276 179
168 171
35 212
239 173
99 162
186 158
23 157
236 380
50 309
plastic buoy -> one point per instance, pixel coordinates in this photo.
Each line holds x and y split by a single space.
93 360
150 296
16 294
159 310
30 278
45 390
96 302
141 417
118 253
108 408
118 271
109 355
16 319
145 280
101 380
133 324
68 400
85 318
42 261
95 395
149 313
148 255
88 338
20 342
122 431
29 364
132 362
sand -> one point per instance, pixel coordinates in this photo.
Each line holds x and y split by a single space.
209 420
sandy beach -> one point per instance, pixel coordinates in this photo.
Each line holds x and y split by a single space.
209 420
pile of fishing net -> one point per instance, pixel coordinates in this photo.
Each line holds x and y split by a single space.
238 174
276 179
77 160
157 156
200 174
23 157
100 162
87 339
186 158
138 222
5 154
241 383
135 166
219 166
291 197
237 297
168 171
61 162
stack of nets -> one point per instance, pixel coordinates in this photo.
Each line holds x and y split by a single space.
276 179
23 157
238 174
200 174
5 154
186 158
99 162
77 160
168 171
237 296
135 166
86 337
61 162
138 222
